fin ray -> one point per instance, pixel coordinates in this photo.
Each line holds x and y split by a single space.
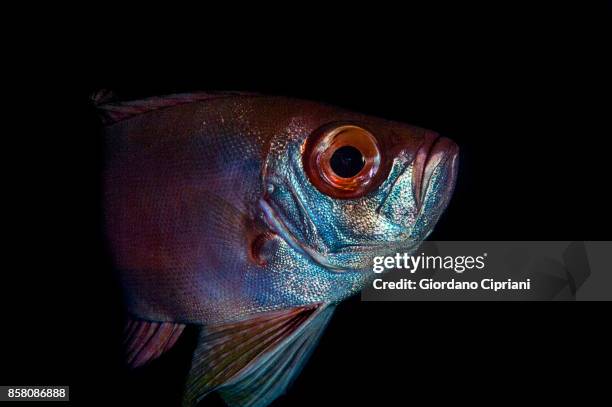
254 360
147 340
112 111
270 377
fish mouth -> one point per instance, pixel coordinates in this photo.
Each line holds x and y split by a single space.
278 226
435 152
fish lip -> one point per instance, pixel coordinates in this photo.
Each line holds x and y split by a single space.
278 226
433 153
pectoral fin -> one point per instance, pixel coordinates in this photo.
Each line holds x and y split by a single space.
253 361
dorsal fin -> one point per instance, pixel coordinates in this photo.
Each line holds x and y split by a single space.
145 341
112 111
251 362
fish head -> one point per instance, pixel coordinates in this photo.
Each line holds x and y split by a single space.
341 192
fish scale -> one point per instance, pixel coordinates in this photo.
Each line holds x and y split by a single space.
217 219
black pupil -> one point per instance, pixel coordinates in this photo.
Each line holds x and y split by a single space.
347 161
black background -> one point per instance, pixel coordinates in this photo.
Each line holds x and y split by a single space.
522 90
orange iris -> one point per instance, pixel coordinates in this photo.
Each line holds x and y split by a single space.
342 161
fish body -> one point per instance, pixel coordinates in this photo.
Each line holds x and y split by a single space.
250 217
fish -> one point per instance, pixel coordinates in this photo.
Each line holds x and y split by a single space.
249 217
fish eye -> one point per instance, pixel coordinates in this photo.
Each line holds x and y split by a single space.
342 161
